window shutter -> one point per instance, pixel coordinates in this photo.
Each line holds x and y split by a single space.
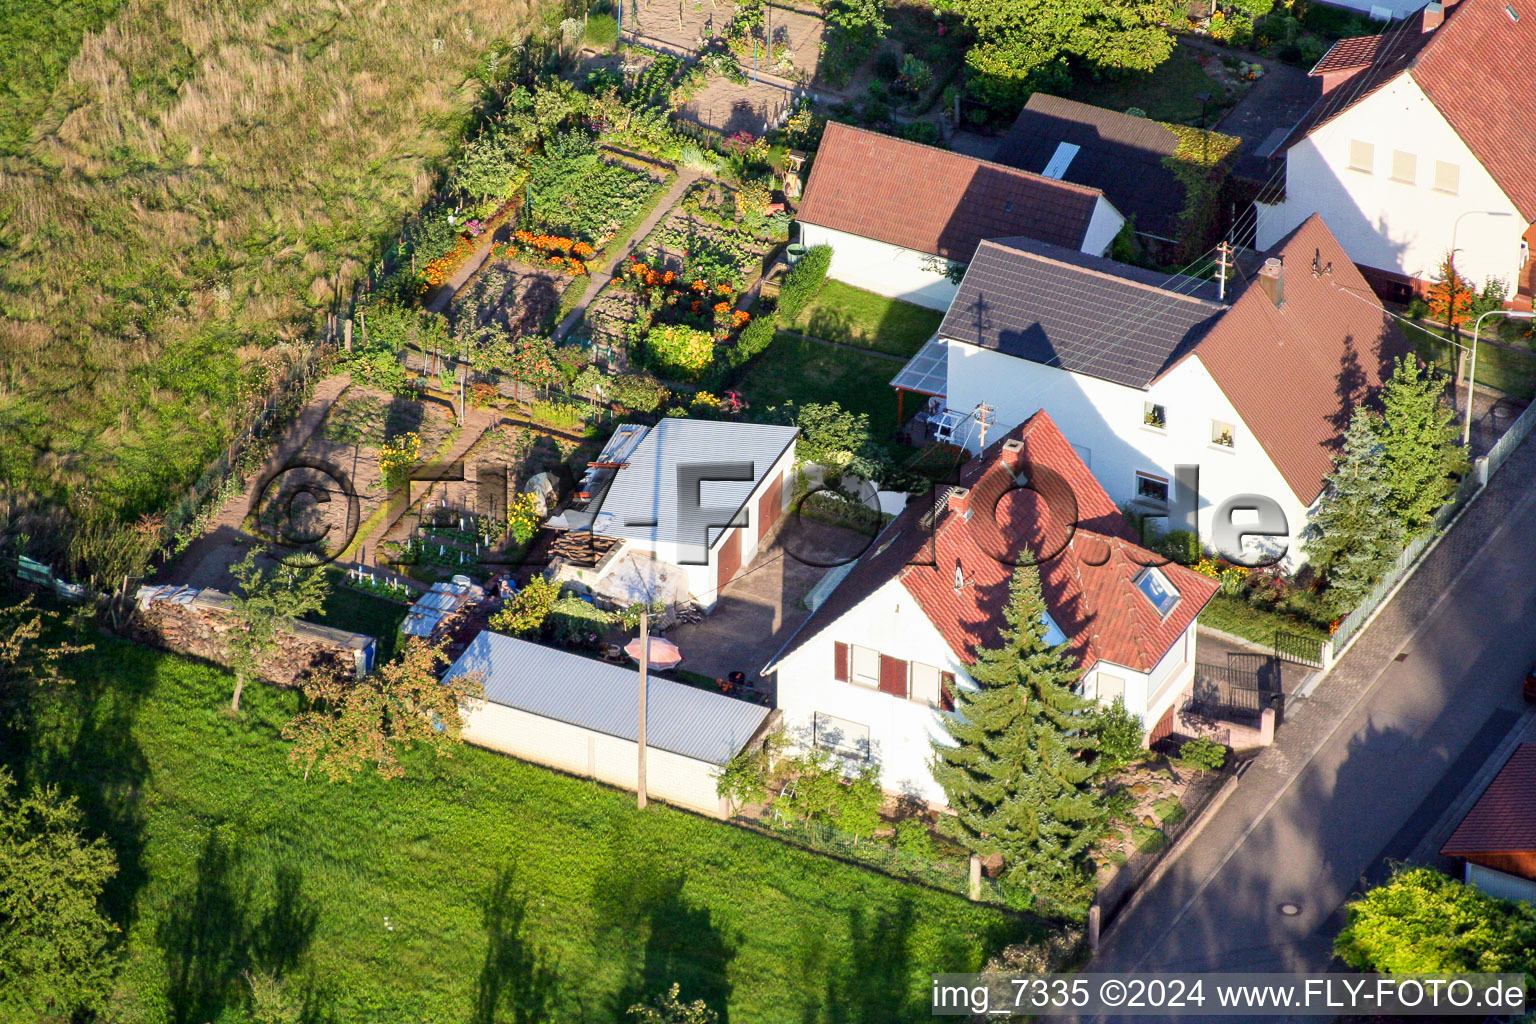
947 691
840 662
893 676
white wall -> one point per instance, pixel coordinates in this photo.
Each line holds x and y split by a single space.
1499 884
883 269
890 622
1392 225
1104 422
1148 695
1103 226
671 777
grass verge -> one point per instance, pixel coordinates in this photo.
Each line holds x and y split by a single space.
477 888
853 316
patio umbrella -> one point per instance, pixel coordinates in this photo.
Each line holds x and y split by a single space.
664 653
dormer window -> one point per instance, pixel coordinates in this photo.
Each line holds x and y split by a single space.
1158 591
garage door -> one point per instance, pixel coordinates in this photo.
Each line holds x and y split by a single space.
730 558
769 506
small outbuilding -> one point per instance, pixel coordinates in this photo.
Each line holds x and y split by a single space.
1496 841
581 716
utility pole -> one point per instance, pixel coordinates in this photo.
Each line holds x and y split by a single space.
645 664
1222 252
984 419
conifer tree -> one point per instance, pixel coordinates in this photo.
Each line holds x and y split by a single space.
1418 444
1450 296
1355 532
1016 776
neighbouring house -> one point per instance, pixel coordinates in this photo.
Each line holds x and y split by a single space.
581 716
197 622
1424 140
1144 373
872 672
1128 158
902 217
1496 841
695 497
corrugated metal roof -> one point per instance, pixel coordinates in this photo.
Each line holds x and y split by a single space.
642 503
604 698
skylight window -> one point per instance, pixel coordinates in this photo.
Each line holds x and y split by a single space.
1154 586
1060 161
1509 9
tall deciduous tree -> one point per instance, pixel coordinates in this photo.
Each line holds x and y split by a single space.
1016 775
266 602
1355 532
351 724
55 959
1423 922
1418 444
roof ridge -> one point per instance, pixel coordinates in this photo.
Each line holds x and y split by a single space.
1069 186
1220 306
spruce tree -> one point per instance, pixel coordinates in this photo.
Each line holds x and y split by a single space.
1355 533
1419 444
1016 776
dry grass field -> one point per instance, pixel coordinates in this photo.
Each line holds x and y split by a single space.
196 186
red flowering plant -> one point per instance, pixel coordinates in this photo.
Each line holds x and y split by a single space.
529 359
552 250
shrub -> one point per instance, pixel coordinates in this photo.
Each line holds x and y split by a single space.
577 623
638 391
1183 546
683 352
888 66
396 459
1203 754
804 280
1119 735
830 434
754 338
916 75
560 415
914 838
523 517
1422 922
524 616
602 31
925 132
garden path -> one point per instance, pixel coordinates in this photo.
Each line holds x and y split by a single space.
450 288
685 178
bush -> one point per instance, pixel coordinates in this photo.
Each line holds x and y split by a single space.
1119 735
1422 922
679 351
577 623
754 338
831 435
804 280
887 66
523 517
602 31
560 415
524 616
1203 754
914 838
925 132
1183 546
638 391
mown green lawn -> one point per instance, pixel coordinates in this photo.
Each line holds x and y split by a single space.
478 888
1169 93
1511 370
801 370
841 312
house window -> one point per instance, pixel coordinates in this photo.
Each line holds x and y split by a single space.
1404 166
1154 586
1362 156
1221 433
1447 177
839 736
865 666
1153 415
1110 687
1151 490
925 683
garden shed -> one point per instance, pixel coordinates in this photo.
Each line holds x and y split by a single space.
581 716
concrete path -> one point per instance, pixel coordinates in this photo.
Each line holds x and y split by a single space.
1363 768
599 280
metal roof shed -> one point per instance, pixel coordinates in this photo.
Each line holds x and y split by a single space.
581 715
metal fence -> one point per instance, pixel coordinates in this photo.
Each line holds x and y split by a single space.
1505 446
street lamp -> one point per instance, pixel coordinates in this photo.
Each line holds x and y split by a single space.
1468 213
1466 431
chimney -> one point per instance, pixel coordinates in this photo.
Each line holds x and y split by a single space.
1434 15
1272 280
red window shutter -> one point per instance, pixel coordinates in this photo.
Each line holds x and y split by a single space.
947 691
893 676
840 662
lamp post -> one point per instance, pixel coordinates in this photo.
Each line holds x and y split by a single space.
1455 224
1466 430
1469 213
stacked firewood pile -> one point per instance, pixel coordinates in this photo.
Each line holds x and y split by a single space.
204 633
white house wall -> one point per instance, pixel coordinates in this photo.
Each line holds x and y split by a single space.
891 622
1392 225
1103 226
670 777
884 269
1104 422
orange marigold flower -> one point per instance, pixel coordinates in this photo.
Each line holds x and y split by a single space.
722 307
699 285
722 289
667 277
583 250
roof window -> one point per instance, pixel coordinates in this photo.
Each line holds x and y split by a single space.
1154 586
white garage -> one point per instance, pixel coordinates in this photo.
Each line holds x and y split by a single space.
582 716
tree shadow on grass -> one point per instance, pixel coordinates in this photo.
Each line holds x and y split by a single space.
868 981
515 984
230 924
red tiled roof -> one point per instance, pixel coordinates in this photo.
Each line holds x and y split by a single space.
1357 52
1504 818
1087 574
1295 374
935 201
1475 68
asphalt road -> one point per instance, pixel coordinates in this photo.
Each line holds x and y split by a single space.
1364 767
